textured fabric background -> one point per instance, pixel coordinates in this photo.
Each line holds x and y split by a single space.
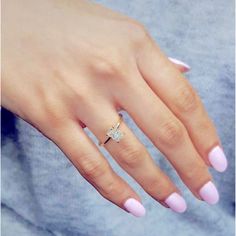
43 194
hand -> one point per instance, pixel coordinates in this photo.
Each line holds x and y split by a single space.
67 64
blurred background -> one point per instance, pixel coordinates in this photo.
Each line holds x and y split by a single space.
43 194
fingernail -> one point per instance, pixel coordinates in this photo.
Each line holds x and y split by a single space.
218 159
134 207
209 193
176 203
178 62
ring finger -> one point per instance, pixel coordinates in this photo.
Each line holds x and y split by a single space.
132 156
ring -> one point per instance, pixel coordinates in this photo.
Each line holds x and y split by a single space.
114 132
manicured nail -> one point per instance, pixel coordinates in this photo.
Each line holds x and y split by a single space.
178 62
209 193
218 159
176 203
134 207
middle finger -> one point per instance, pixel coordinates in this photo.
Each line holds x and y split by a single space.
169 135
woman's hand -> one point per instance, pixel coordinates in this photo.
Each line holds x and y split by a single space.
67 64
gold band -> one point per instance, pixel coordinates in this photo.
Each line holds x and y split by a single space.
114 132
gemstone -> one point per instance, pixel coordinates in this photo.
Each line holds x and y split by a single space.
115 134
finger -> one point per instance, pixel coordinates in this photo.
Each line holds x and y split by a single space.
85 156
132 156
183 101
181 66
168 134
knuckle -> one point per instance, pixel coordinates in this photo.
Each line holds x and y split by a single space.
112 189
54 117
91 168
49 117
206 126
80 94
113 63
106 67
48 112
137 31
205 130
158 187
171 132
108 64
132 156
186 99
196 173
153 183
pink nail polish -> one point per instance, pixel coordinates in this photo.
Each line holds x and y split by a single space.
176 202
209 193
134 207
178 62
218 159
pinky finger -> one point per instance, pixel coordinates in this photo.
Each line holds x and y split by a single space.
86 157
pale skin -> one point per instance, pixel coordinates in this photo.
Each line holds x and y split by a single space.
67 64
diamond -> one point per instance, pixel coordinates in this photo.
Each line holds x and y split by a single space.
115 134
